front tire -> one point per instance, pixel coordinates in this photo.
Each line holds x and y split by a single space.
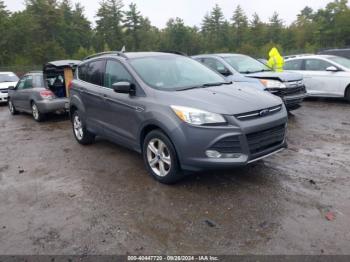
347 94
160 158
81 134
12 108
39 117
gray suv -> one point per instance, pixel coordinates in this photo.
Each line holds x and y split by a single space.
175 111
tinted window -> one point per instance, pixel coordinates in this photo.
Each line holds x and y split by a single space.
29 82
82 72
115 72
170 72
21 83
293 65
316 65
95 71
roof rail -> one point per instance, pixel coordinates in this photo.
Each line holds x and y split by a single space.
107 53
174 52
295 56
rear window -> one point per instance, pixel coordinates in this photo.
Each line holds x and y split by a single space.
11 77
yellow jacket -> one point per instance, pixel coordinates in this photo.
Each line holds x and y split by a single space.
276 61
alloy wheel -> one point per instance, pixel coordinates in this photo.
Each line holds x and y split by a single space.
158 156
78 127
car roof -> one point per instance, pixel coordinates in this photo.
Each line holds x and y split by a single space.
223 55
309 56
132 55
6 73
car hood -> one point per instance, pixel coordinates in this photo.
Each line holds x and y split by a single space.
6 85
248 81
283 77
227 99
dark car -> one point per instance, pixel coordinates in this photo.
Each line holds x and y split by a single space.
178 113
43 92
344 52
236 67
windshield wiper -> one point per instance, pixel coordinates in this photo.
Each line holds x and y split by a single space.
205 85
253 72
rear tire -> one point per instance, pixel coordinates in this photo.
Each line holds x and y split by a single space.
81 134
160 158
39 117
12 108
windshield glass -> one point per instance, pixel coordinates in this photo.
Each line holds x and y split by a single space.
174 72
341 61
245 64
8 78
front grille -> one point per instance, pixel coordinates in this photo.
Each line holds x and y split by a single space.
228 145
259 113
293 90
263 140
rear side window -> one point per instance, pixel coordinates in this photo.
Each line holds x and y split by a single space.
92 72
115 72
316 65
95 71
82 72
294 65
29 82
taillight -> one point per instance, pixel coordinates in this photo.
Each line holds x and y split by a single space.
70 83
47 94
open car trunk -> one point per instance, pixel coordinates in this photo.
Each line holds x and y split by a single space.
58 75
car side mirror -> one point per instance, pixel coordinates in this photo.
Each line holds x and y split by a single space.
332 69
124 88
12 87
224 72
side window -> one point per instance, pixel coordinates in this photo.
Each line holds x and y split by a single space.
82 72
21 83
29 82
316 65
115 72
294 65
215 64
39 81
95 71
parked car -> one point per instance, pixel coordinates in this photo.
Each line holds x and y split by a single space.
43 92
175 111
344 52
7 79
237 67
324 75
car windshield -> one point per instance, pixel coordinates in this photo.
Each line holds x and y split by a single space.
8 78
341 61
174 73
246 64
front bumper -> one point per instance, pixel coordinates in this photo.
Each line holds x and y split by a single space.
292 96
54 105
244 141
3 97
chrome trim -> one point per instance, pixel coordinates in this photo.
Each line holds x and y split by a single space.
265 156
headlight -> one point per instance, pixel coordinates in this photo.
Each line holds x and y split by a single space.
272 83
197 117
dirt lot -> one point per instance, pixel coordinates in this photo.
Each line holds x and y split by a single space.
58 197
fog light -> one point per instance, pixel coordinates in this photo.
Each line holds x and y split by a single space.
236 155
212 154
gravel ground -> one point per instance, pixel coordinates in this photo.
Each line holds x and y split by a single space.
58 197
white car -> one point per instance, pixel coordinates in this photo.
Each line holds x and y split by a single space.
7 79
324 75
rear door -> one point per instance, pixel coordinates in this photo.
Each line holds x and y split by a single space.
25 94
92 94
15 94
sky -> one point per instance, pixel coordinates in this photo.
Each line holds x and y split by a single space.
193 11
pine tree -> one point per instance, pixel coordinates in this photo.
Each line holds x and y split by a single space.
132 24
109 25
240 25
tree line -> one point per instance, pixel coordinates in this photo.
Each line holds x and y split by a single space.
51 29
